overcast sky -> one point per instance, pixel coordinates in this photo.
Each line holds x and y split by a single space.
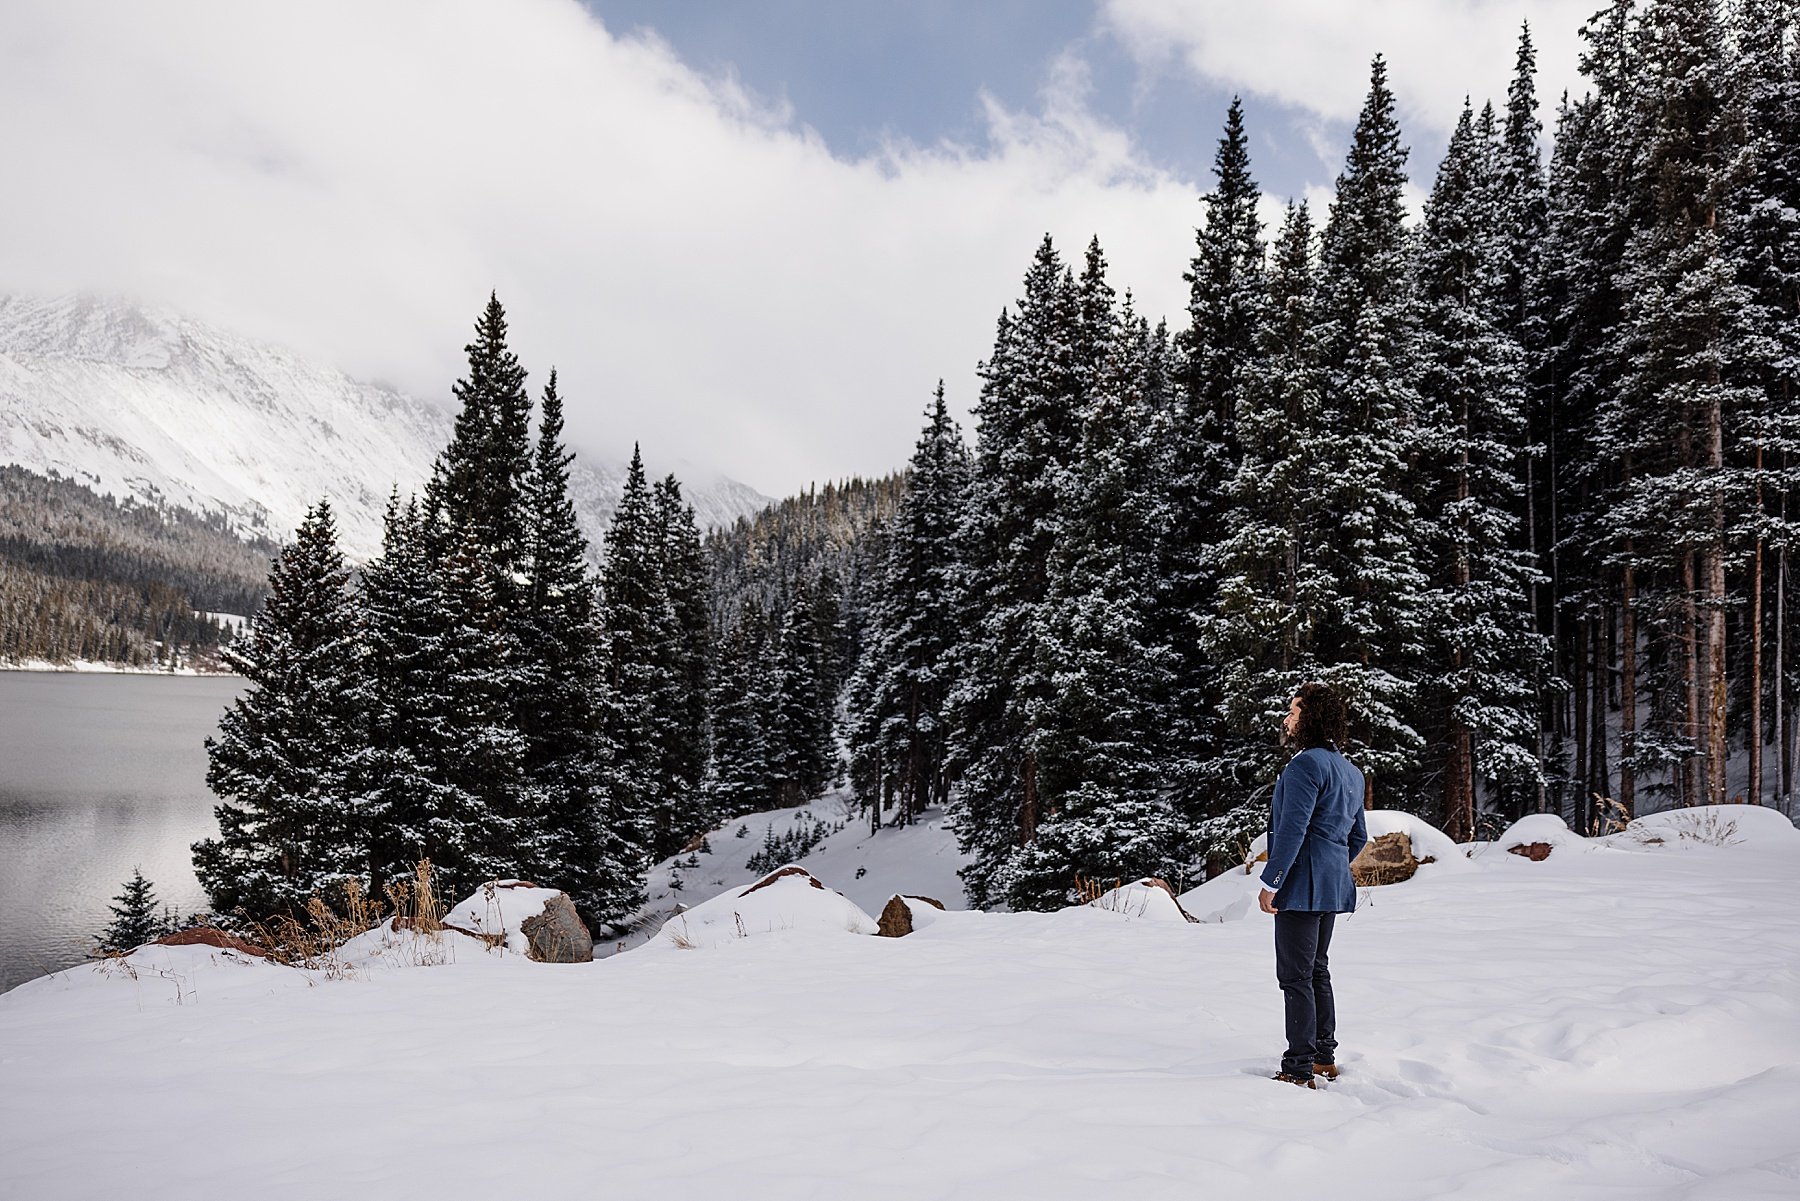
748 234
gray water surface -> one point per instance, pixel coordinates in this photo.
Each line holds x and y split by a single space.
98 773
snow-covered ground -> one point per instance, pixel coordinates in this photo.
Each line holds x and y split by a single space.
1614 1022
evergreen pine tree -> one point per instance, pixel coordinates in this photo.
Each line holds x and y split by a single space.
641 666
684 569
1027 425
1686 316
1099 727
445 780
287 760
479 481
1270 576
135 920
1226 304
901 686
739 768
1473 427
1366 637
802 755
572 839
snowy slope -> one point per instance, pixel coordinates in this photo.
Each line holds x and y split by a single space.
142 402
1611 1024
868 868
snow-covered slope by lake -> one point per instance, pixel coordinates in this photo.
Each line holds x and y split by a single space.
1615 1021
146 403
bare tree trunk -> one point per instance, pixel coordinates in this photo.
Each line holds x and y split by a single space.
1754 792
1459 785
1628 689
1714 560
1580 724
1028 811
1599 690
1690 675
1785 764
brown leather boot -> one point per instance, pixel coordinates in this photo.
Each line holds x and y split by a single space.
1302 1081
1327 1070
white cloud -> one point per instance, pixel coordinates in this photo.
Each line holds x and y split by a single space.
352 179
1313 55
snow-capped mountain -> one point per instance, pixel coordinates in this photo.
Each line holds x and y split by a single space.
146 403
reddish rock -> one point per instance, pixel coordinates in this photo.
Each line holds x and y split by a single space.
209 936
896 916
789 870
1537 852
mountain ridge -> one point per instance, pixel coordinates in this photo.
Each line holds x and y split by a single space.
149 404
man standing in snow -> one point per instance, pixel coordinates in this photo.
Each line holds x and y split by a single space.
1315 829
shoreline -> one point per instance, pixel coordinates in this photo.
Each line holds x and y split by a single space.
96 667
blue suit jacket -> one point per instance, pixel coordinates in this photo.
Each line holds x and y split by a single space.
1315 829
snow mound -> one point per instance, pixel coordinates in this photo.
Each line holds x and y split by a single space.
1428 842
1709 825
496 911
1147 898
1224 898
1540 827
789 898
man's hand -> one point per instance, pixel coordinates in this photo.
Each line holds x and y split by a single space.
1267 901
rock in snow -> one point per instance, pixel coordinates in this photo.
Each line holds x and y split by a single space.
1149 898
789 898
500 913
558 935
903 914
1388 859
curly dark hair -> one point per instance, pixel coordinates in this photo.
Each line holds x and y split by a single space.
1323 716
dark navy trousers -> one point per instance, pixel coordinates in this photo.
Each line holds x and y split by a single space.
1304 973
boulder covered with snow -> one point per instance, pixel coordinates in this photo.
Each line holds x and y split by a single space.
789 898
1709 825
1149 898
1429 844
211 936
1226 897
1537 835
904 914
499 912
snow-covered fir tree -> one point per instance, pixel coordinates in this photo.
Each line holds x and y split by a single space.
1026 431
684 570
900 689
1100 684
1365 636
801 756
135 920
1270 576
288 759
480 479
642 665
1226 303
575 838
448 780
1472 437
738 770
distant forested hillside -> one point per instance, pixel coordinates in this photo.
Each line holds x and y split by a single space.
84 576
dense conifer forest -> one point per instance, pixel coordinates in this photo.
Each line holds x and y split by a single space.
1517 478
84 576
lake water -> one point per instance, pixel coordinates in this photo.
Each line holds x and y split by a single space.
98 773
